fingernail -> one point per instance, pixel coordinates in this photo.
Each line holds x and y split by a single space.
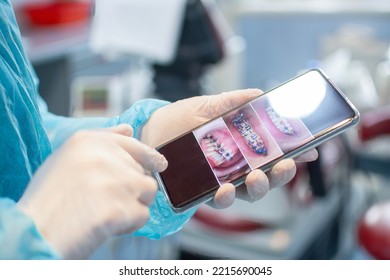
225 198
125 129
260 189
313 155
282 173
258 192
257 91
129 130
159 161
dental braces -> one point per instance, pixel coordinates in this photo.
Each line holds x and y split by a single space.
280 123
250 136
216 150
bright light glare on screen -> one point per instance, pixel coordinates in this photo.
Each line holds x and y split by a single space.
299 98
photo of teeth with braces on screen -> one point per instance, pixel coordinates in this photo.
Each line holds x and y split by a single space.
288 132
248 138
221 151
252 137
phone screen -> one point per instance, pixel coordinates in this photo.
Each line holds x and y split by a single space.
276 125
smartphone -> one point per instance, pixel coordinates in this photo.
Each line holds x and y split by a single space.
282 123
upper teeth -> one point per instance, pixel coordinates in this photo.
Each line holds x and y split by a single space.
216 150
281 123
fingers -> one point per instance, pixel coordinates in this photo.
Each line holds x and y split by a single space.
257 185
134 217
281 173
308 156
141 157
224 197
138 185
224 102
148 157
123 129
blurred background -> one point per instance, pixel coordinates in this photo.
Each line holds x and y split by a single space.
96 61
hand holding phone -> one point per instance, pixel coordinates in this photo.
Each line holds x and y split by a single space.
282 123
177 118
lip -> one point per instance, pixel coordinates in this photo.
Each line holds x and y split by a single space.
233 171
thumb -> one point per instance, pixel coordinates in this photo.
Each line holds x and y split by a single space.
123 129
228 100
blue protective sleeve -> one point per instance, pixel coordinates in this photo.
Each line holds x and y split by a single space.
23 143
19 238
59 128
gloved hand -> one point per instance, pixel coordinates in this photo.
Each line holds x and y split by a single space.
179 117
92 188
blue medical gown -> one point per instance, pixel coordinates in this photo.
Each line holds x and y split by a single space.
29 133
